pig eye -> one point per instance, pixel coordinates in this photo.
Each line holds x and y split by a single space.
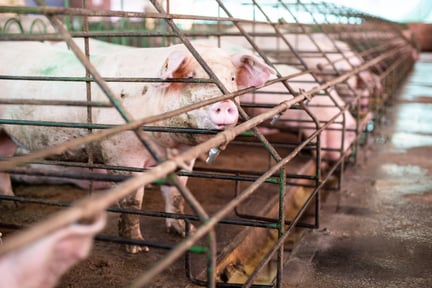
232 78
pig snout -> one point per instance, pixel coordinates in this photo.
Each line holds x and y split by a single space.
224 113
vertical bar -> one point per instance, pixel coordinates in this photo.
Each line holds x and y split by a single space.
89 146
281 229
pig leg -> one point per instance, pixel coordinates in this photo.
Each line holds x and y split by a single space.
174 203
125 150
5 185
129 224
81 183
86 184
7 149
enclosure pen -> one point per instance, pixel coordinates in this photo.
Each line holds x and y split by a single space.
324 74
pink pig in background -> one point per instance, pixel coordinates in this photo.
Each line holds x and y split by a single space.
324 107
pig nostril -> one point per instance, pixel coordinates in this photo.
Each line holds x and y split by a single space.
223 114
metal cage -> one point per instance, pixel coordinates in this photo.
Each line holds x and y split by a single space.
270 184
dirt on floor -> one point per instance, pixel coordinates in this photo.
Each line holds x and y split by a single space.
376 232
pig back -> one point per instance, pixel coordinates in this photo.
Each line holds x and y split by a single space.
33 59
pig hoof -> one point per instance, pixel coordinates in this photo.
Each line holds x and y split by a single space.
178 227
134 249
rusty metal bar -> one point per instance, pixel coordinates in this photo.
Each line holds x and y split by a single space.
53 102
106 79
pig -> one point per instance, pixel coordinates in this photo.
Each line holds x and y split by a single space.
366 83
42 263
322 106
140 99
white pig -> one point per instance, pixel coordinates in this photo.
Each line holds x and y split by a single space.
140 99
42 263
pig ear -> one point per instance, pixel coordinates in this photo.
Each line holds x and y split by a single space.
251 71
172 64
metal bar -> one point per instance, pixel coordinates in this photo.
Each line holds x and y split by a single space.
124 33
107 79
48 10
54 103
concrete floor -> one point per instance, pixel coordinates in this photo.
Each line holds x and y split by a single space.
377 232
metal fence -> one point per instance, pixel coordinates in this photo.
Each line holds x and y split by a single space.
318 51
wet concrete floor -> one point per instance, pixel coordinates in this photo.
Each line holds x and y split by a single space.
377 232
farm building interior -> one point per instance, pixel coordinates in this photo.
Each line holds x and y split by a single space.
302 128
